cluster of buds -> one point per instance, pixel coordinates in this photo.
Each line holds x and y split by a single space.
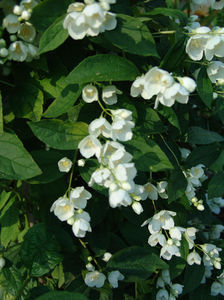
22 34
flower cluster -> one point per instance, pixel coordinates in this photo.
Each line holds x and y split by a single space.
97 279
168 290
194 177
162 84
204 41
116 171
89 19
22 34
159 224
71 210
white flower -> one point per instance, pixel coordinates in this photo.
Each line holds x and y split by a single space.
196 45
75 24
188 83
162 295
79 197
90 267
119 197
113 278
176 232
176 289
169 249
100 176
137 207
32 52
215 72
119 156
215 44
156 238
121 114
64 164
11 23
28 4
25 15
109 94
151 191
18 51
27 32
107 256
138 87
2 263
161 188
4 52
108 149
89 93
160 220
216 288
156 81
193 258
165 274
122 130
125 172
215 204
160 283
197 172
100 126
184 153
81 224
211 255
95 279
89 146
94 16
81 162
215 232
190 234
63 209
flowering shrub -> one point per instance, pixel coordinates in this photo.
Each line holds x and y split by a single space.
111 149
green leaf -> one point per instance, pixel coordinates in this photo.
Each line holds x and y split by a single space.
53 37
203 292
12 280
40 250
1 115
48 162
175 55
176 266
44 14
59 134
148 155
176 185
198 135
205 155
27 102
15 161
10 225
4 198
103 67
170 115
133 36
62 296
216 186
204 87
62 103
147 119
192 277
136 263
169 12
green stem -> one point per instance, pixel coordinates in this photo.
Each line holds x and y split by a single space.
104 109
72 172
7 83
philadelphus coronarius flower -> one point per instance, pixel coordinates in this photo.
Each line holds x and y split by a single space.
217 286
95 279
11 23
211 255
89 19
215 204
215 72
89 93
198 5
203 40
64 164
71 210
109 94
161 83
